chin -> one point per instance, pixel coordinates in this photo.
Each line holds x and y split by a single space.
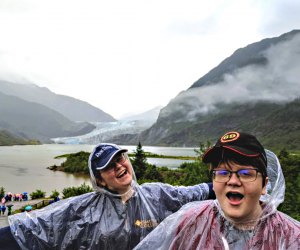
128 181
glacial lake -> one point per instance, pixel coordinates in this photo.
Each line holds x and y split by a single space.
24 168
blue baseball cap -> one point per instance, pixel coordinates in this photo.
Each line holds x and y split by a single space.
103 154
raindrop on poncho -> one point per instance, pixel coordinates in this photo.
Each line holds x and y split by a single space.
202 224
100 219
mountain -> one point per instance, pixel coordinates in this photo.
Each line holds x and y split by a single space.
73 109
8 139
253 54
149 115
255 90
29 120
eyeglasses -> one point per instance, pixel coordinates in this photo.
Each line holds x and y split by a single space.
120 159
244 175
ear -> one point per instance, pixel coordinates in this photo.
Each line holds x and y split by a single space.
264 190
101 182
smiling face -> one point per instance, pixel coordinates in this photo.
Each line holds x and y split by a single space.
239 200
117 177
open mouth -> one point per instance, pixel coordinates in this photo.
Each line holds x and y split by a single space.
122 173
234 196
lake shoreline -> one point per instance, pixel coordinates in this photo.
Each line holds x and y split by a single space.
24 168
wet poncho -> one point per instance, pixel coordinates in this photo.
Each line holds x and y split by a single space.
202 225
102 219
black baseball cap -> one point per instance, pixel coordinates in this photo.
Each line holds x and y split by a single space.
241 143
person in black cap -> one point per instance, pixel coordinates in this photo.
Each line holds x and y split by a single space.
249 186
118 215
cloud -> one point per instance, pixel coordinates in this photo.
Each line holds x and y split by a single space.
150 49
277 81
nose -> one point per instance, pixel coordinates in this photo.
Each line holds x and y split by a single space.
118 165
234 179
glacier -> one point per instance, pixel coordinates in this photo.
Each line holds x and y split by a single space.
106 130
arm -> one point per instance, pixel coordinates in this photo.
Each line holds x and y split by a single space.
211 192
7 240
168 199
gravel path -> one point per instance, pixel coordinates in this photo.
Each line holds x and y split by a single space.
17 205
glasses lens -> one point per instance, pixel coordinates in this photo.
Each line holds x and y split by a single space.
221 175
110 166
247 175
121 159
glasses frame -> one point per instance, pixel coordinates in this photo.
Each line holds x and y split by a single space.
121 159
235 172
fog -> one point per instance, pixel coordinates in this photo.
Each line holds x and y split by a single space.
277 81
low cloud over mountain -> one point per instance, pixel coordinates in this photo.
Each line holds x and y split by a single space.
273 78
255 90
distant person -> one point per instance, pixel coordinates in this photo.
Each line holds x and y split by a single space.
28 208
56 198
3 208
118 215
249 185
25 196
9 209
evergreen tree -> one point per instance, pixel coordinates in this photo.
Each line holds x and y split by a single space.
151 174
202 149
139 161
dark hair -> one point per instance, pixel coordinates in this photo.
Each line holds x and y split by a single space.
256 162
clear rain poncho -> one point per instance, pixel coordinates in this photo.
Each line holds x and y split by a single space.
202 224
100 219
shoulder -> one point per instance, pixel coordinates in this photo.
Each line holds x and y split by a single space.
284 228
288 222
198 208
282 224
195 215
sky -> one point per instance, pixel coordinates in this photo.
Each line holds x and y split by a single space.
126 57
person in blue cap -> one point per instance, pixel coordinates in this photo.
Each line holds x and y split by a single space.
118 215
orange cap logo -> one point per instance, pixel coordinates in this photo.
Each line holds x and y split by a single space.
230 136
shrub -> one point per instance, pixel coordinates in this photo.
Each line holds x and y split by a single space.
74 191
54 194
37 194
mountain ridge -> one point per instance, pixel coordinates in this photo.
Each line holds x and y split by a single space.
33 121
253 91
240 58
72 108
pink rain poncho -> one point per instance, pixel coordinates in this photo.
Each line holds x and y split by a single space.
202 224
101 219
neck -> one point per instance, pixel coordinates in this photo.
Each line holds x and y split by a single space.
126 196
247 223
250 225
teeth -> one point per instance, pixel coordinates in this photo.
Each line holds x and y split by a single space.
122 173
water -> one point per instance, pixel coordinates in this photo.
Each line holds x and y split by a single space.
24 168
